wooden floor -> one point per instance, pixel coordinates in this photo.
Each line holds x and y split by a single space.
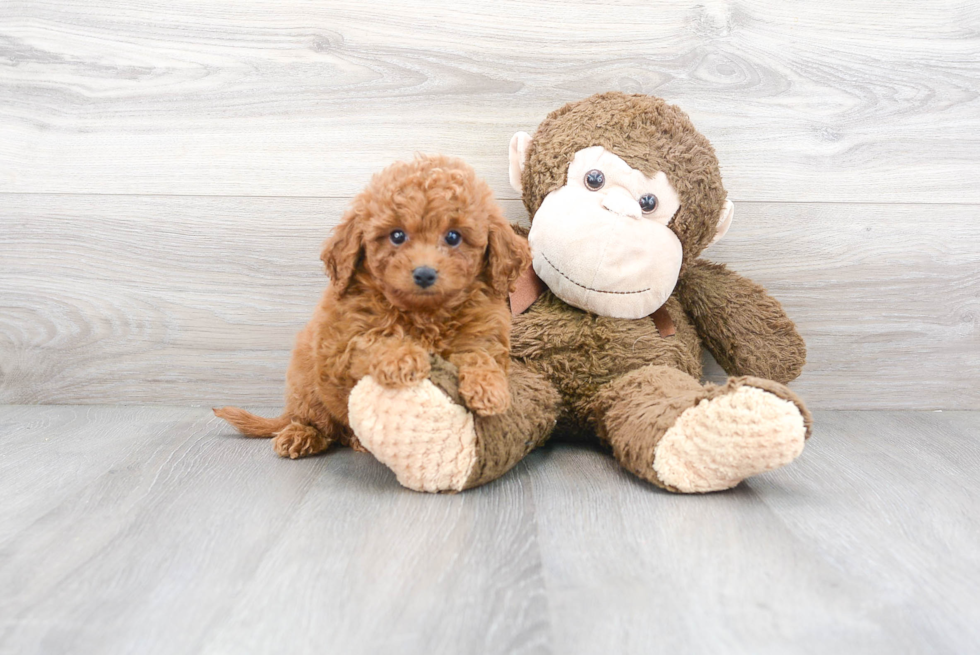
156 530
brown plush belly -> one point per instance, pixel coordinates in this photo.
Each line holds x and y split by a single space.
580 352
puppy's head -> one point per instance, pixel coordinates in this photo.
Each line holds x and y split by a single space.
426 231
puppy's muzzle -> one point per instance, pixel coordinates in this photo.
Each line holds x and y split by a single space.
425 276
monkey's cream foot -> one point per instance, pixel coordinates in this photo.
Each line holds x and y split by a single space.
723 440
428 438
298 440
419 432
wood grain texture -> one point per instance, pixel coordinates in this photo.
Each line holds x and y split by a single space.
887 298
831 101
171 535
865 545
197 300
873 500
157 530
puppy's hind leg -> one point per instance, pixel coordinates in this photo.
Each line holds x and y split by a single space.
302 439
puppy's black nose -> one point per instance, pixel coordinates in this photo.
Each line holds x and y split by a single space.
424 276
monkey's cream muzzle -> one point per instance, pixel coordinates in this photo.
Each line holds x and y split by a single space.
593 243
596 257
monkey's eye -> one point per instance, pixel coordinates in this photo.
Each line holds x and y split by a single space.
648 202
397 237
453 238
594 179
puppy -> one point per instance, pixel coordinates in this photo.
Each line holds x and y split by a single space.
420 264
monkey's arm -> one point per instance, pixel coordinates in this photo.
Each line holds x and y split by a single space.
744 327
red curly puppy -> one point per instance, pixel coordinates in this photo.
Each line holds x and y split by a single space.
421 263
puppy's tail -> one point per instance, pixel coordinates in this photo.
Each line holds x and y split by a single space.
249 424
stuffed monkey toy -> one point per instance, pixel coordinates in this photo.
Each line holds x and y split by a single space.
624 195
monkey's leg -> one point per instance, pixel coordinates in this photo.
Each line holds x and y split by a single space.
667 428
433 443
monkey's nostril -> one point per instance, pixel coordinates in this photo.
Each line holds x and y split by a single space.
424 276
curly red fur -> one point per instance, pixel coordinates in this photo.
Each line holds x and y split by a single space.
374 319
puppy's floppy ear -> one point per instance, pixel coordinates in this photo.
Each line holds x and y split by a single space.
508 255
343 251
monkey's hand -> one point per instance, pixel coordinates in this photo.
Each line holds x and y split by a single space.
744 327
482 383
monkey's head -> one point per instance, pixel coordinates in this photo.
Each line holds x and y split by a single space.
622 191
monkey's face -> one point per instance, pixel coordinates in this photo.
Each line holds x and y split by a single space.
602 242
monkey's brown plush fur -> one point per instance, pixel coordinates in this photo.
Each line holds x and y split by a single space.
374 319
620 379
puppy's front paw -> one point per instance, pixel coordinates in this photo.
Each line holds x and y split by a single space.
484 390
401 367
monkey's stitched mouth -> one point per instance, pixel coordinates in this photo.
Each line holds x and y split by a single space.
618 293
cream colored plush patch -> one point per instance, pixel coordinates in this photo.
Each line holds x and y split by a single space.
597 249
417 432
720 442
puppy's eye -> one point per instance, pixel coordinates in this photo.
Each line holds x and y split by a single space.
648 202
453 238
594 179
397 237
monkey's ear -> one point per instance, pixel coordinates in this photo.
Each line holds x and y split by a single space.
518 153
343 251
724 220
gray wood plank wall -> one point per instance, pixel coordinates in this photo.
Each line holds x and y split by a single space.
169 169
